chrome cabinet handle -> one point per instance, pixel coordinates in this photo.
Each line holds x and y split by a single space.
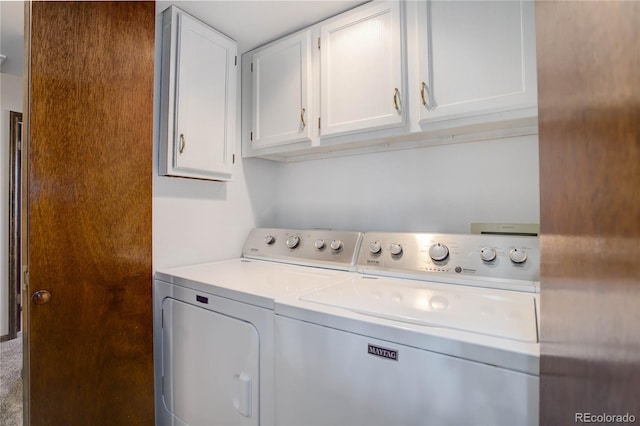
304 124
396 94
183 143
426 100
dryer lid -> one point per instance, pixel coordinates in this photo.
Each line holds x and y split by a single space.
504 314
256 282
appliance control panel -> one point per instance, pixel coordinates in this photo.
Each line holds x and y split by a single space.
500 261
315 247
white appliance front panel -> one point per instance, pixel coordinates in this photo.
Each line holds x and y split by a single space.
505 314
251 281
259 318
210 366
330 377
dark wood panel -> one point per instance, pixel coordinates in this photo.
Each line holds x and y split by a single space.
589 115
89 241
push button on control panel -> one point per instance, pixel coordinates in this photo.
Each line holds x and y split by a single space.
438 252
293 241
395 249
375 247
488 254
518 255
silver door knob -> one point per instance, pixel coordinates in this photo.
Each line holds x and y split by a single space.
41 297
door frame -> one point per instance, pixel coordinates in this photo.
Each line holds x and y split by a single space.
24 221
15 190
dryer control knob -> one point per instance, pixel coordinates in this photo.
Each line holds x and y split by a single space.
518 256
319 244
395 249
269 239
487 254
336 245
375 247
438 252
293 241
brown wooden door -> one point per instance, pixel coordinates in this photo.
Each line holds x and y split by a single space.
589 115
90 114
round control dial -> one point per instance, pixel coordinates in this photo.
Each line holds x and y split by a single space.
375 247
293 241
487 254
395 249
336 245
269 239
518 255
319 244
438 251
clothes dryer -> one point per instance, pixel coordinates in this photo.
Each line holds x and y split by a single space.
213 324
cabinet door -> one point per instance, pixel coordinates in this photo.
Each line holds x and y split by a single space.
476 57
281 103
200 105
362 71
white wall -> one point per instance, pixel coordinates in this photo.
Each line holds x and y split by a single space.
440 188
196 221
12 36
11 100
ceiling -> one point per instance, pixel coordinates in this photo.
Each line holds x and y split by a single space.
250 22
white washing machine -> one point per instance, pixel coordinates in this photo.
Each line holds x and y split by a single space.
436 330
214 324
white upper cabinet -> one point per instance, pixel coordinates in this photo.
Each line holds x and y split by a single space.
393 75
281 92
361 70
476 57
198 99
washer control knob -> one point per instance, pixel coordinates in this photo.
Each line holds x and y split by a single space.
293 241
319 244
395 249
269 239
438 252
518 256
375 247
336 245
488 254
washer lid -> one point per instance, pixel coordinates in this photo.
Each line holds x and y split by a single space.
498 313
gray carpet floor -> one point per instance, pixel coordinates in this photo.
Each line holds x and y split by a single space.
11 382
